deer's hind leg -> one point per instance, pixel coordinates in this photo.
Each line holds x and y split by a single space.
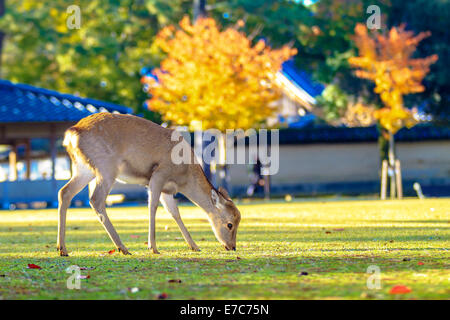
170 204
103 186
80 178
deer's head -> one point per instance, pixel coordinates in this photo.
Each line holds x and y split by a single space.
226 219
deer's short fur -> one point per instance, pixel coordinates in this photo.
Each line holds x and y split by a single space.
106 147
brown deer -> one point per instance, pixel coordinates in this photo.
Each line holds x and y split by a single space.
106 147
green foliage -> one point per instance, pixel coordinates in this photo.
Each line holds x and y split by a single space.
333 102
278 22
100 60
333 242
433 16
321 32
325 54
329 42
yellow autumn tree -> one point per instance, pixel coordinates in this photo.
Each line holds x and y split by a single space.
387 61
214 77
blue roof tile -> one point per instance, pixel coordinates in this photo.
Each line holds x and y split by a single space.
25 103
301 79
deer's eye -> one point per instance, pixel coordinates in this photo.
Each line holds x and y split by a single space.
230 226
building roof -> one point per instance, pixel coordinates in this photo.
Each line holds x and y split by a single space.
329 134
25 103
298 85
301 79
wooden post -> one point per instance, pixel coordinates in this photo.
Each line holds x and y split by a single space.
53 153
28 158
418 189
398 175
384 169
13 163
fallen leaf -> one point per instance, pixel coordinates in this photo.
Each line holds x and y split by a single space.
33 266
303 273
84 277
112 251
406 259
174 281
86 268
238 258
134 236
162 296
339 229
420 263
400 289
327 231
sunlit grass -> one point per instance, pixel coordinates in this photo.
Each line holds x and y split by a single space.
334 242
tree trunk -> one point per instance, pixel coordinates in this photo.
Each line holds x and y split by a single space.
199 9
383 148
383 143
222 168
392 165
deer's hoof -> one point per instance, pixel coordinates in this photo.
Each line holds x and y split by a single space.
155 251
63 252
124 251
197 249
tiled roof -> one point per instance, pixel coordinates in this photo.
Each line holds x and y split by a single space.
25 103
301 79
328 134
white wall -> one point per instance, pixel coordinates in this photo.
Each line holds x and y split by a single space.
347 162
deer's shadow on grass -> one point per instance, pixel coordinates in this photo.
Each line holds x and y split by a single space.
271 234
162 268
42 238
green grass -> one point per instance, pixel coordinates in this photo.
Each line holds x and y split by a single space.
334 242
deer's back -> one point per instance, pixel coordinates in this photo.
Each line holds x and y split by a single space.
131 144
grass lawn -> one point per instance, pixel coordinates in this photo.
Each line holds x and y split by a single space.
333 242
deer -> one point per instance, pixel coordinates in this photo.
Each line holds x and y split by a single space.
106 147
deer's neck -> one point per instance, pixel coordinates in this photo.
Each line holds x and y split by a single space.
198 190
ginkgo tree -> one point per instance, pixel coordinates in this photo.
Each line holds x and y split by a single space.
386 59
215 79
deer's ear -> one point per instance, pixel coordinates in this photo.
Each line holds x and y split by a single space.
215 198
224 192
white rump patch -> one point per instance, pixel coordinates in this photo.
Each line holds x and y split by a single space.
70 139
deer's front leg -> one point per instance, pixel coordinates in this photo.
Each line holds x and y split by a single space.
153 201
170 204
